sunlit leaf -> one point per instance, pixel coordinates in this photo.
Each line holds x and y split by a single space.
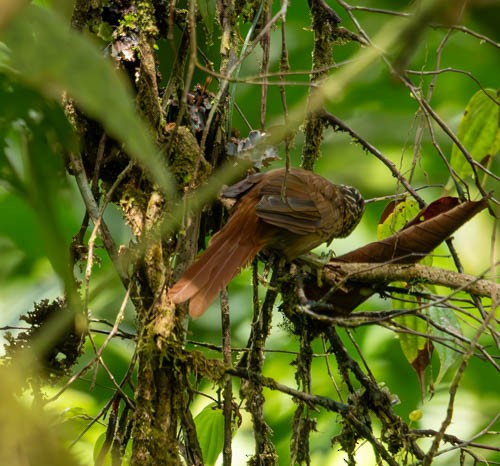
478 131
412 344
414 347
417 349
415 415
210 430
447 319
395 217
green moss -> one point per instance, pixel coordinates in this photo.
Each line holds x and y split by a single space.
185 155
146 17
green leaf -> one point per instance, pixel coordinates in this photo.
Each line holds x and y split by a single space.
52 58
478 131
397 219
411 344
415 415
447 356
98 445
417 349
414 347
210 429
34 133
207 11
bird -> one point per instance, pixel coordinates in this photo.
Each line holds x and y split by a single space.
290 211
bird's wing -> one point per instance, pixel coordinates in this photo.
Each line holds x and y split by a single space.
297 208
297 215
240 188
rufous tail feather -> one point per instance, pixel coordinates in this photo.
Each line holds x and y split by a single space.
228 251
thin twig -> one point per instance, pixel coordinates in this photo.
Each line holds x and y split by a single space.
455 27
309 398
95 215
338 124
228 384
427 461
98 355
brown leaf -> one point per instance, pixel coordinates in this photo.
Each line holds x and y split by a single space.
433 224
420 236
421 362
389 209
435 208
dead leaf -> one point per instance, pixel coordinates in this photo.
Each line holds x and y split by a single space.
419 237
430 227
420 363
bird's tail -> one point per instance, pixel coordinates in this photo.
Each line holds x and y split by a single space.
229 250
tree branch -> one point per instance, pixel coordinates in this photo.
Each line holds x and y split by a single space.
310 399
385 273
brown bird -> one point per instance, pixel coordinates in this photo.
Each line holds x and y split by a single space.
290 212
